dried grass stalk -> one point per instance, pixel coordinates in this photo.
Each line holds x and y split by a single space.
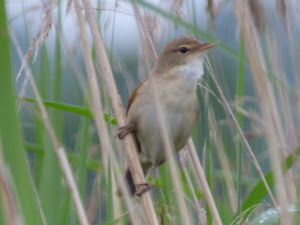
239 129
291 143
266 96
223 159
9 207
59 150
118 109
200 210
211 13
40 35
98 110
205 188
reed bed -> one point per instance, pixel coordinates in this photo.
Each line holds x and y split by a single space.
63 98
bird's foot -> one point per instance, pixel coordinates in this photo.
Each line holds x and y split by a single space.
142 188
123 131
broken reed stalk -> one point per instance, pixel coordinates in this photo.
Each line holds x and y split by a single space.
97 110
270 114
130 148
59 149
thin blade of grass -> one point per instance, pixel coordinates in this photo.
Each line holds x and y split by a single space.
239 118
10 132
118 108
73 109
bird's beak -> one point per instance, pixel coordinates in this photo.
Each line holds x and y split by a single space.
205 46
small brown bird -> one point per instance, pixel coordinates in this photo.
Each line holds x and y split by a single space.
177 71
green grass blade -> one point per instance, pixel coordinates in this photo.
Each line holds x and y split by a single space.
50 186
10 132
239 117
259 191
75 159
57 82
73 109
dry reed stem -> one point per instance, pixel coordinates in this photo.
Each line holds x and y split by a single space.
210 92
244 140
200 211
267 100
95 103
9 204
201 176
120 116
40 35
291 143
10 211
223 159
210 9
146 32
292 49
94 200
59 150
257 13
146 43
134 163
97 109
68 7
116 203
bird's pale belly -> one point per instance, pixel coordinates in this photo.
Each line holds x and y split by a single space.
179 122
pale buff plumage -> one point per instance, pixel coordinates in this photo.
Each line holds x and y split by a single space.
178 69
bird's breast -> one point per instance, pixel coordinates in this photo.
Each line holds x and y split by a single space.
179 114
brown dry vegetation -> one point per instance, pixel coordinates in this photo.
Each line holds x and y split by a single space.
240 162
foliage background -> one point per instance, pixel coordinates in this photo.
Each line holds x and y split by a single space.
33 189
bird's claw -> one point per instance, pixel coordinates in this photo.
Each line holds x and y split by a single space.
146 187
123 131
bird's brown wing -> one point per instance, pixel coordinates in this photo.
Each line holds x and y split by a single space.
130 101
133 94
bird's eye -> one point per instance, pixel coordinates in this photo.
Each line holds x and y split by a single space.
183 50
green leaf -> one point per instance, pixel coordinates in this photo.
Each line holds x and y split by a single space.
11 141
73 109
259 191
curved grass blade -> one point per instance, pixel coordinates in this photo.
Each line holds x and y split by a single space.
11 139
73 109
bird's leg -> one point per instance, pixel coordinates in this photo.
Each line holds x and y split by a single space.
145 187
123 131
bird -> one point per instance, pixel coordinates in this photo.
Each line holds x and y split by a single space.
178 69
